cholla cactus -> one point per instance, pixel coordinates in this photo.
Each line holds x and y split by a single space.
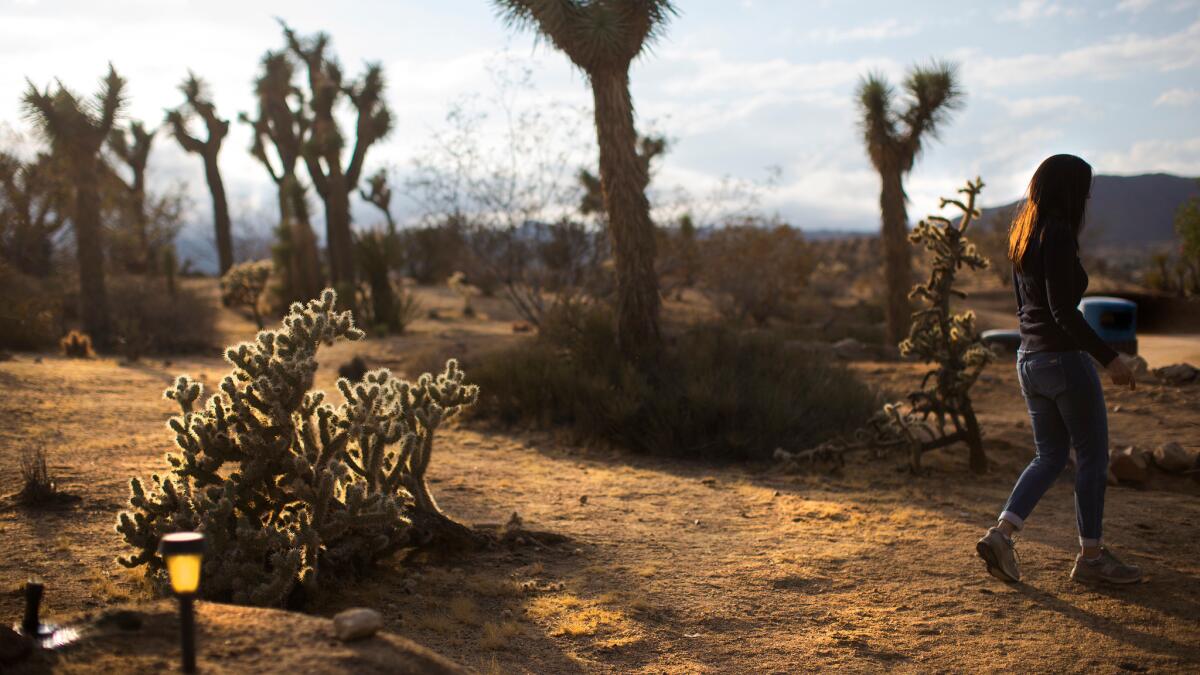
949 340
243 286
458 283
286 487
940 412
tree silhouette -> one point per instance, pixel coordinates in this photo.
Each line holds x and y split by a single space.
34 200
76 130
198 103
379 195
894 140
324 142
281 124
132 147
602 37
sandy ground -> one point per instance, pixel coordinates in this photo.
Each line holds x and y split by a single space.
670 566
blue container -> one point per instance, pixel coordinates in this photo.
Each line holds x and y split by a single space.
1113 319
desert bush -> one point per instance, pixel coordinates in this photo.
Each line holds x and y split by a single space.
76 345
152 320
755 272
30 310
719 393
291 491
243 286
433 252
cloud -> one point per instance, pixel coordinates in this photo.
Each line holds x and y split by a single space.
1116 57
888 29
1166 155
1133 6
1178 97
1026 11
1039 105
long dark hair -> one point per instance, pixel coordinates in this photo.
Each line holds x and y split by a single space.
1059 189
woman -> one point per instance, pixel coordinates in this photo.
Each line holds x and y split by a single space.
1058 380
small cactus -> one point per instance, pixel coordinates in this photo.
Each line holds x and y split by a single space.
243 286
290 490
76 345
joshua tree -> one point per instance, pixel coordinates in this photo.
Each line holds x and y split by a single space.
602 37
894 140
379 195
281 123
323 145
198 102
76 130
592 201
132 147
34 200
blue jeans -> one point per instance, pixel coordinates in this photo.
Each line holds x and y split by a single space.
1066 406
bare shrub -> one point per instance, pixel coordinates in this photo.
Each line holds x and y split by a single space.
755 272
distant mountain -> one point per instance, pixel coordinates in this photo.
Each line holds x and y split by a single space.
1134 211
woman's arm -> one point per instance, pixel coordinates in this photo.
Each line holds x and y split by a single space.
1059 252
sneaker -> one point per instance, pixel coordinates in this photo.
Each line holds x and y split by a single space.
1001 557
1105 569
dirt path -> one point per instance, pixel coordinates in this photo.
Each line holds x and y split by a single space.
671 566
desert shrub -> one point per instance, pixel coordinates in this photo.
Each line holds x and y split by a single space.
243 286
76 345
719 393
433 252
30 310
291 491
753 272
150 317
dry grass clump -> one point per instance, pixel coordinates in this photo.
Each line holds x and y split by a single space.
38 487
499 635
77 345
464 610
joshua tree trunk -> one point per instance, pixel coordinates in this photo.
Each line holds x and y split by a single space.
623 179
305 264
221 223
897 257
337 232
89 249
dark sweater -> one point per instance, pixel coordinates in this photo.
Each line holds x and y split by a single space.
1048 288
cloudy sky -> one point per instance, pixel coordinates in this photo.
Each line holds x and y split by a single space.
740 85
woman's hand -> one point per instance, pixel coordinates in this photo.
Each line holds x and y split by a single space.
1120 374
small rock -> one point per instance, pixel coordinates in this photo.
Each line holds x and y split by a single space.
411 585
1171 457
1129 465
578 551
1178 374
708 481
356 624
583 500
1116 408
13 646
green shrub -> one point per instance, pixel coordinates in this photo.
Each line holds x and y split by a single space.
719 394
